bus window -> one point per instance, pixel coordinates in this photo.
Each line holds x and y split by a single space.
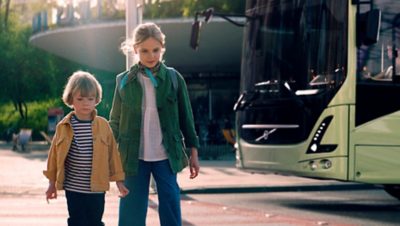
297 53
376 84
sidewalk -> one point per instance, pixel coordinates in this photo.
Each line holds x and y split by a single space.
22 199
222 176
216 176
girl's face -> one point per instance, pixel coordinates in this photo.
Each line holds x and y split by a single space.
83 106
149 52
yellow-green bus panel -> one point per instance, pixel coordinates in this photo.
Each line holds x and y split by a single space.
317 168
284 159
376 155
274 158
336 133
381 131
292 159
377 164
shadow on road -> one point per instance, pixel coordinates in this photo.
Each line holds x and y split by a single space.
383 211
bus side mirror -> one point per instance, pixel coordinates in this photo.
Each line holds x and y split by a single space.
368 27
208 14
195 34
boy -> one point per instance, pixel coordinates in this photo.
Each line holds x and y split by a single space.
83 156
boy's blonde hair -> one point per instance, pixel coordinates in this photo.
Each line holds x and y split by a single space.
85 83
141 33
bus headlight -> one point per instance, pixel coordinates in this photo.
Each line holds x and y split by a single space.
326 164
313 165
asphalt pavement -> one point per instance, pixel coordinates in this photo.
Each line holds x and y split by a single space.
216 176
22 187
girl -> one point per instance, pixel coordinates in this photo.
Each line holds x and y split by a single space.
83 156
150 116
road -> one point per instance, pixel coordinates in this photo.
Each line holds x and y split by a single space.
371 207
22 202
345 207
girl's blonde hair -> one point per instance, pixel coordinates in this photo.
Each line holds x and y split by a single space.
140 34
85 83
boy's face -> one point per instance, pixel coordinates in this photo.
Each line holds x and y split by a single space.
149 52
83 106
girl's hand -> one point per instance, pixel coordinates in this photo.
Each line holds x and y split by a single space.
51 192
123 191
194 164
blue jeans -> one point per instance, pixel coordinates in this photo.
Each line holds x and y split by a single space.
85 209
133 208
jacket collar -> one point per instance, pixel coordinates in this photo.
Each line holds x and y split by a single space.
67 118
134 70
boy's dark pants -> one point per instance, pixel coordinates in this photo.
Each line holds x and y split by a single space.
85 209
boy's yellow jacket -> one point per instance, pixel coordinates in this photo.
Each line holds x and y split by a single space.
106 163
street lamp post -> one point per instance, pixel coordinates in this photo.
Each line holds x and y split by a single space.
133 17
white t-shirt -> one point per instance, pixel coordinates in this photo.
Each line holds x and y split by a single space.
151 147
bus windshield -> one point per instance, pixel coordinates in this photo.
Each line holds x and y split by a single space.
300 43
294 61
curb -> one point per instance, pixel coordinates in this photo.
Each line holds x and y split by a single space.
289 188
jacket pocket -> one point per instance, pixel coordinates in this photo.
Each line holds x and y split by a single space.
59 141
101 164
180 150
123 146
178 145
103 151
171 98
62 148
104 145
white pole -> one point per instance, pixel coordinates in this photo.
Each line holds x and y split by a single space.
133 17
382 62
210 103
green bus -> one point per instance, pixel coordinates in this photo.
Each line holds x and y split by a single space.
311 101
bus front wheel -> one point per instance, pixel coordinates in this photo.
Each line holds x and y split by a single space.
393 190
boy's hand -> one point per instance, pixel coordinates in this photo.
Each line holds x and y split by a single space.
51 192
123 191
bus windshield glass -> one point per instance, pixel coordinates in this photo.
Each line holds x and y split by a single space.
294 61
302 44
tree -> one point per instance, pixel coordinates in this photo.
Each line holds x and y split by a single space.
27 73
23 74
4 21
7 13
188 8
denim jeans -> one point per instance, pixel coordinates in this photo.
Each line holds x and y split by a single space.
133 208
85 209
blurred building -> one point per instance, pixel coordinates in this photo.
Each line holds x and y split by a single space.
87 33
90 32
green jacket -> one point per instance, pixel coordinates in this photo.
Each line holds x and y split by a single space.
175 113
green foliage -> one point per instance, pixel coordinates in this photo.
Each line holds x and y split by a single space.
30 72
37 114
188 8
37 120
33 77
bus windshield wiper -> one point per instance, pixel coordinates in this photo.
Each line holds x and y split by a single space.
245 99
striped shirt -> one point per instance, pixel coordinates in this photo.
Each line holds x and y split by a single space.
78 165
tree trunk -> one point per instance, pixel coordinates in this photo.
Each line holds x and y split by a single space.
26 110
23 110
6 14
1 22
